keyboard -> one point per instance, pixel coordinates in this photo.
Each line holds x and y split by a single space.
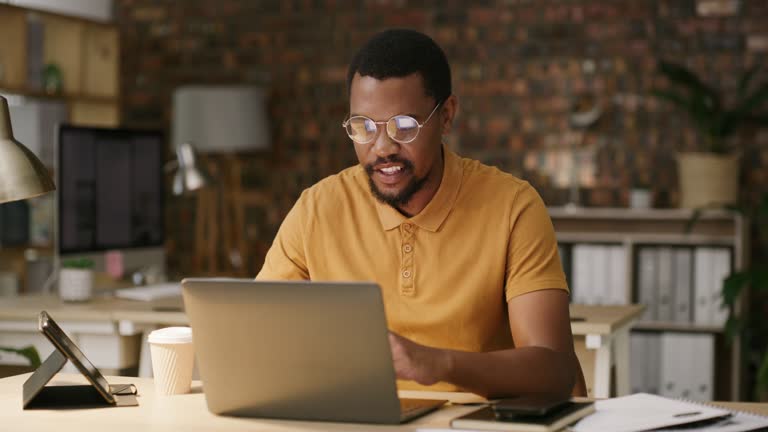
150 292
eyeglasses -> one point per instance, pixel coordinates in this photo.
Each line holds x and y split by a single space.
400 128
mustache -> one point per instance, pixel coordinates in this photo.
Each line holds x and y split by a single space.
407 165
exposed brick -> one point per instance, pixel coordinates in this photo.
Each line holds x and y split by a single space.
516 64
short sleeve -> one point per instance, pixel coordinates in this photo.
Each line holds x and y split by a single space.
286 259
533 262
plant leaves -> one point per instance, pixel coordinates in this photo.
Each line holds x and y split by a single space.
733 328
29 352
759 279
682 75
750 103
733 285
762 374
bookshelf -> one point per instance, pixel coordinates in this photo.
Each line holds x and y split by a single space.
634 230
86 52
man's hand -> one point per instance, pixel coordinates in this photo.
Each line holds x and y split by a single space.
419 363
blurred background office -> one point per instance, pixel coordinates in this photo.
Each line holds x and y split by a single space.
568 95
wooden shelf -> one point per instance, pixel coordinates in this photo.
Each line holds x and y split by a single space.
631 230
65 97
676 327
636 214
86 52
625 237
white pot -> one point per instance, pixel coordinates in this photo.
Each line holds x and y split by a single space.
708 180
75 284
640 198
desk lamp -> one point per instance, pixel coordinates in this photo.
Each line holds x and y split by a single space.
22 175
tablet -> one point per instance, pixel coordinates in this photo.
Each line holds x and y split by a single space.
64 344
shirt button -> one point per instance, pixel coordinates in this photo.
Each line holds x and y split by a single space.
406 274
407 227
407 248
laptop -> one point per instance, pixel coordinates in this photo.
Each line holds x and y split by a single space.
296 350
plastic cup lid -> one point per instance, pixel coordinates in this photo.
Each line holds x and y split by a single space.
171 335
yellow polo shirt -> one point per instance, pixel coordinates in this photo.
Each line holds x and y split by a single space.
447 273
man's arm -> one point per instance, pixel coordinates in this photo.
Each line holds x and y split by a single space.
285 259
543 360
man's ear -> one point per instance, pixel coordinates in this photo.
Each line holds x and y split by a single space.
448 113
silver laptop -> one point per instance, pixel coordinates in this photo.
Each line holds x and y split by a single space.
296 350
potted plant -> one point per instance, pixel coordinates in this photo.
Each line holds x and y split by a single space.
751 325
76 280
28 352
710 178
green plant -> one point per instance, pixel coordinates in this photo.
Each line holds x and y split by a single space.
747 325
706 106
80 263
29 352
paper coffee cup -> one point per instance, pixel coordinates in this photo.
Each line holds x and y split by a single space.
173 358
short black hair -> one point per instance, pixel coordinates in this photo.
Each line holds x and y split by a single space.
397 53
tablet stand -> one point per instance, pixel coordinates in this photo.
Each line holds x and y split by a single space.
37 395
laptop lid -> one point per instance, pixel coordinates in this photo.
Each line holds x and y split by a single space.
293 350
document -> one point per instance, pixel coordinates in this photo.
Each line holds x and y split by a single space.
643 412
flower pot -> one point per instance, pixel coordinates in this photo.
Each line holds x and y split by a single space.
708 179
75 285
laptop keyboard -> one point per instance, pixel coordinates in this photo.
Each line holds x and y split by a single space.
410 408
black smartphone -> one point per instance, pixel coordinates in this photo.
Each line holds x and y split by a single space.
530 405
64 344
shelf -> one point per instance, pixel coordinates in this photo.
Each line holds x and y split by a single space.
644 238
677 327
66 97
636 214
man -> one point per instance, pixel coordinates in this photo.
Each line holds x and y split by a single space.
465 255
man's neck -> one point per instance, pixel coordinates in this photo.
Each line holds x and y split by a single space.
424 196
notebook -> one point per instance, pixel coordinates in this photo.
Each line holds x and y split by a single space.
643 412
485 419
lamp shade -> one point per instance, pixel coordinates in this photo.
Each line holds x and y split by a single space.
221 118
22 175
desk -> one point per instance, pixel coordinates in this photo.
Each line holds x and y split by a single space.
189 413
112 332
107 329
606 338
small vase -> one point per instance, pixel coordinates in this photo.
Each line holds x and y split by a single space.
75 285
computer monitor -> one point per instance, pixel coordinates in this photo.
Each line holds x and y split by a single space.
110 195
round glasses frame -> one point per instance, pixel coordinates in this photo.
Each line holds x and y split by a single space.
346 123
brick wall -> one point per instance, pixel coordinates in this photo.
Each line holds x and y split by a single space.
516 65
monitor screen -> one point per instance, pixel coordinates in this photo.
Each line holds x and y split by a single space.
110 185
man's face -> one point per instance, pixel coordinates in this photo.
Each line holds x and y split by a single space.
398 172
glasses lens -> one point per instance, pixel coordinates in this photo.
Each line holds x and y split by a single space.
361 129
403 128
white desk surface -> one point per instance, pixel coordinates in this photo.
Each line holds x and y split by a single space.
183 413
189 413
601 320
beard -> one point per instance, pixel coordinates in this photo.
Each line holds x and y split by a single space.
404 196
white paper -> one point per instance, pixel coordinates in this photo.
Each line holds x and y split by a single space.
642 412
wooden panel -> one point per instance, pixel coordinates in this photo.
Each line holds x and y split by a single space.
94 114
101 56
63 44
13 47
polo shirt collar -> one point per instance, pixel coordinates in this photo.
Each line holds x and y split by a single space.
436 211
